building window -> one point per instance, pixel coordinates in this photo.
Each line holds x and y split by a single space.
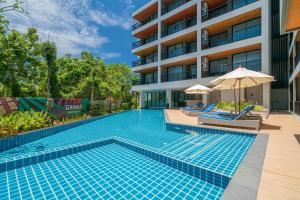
175 50
240 3
246 30
175 73
191 46
150 77
217 67
192 71
155 99
251 60
218 40
173 28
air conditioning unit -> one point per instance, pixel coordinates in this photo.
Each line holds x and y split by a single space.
204 37
205 63
204 10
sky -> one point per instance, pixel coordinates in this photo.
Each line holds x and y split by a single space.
99 26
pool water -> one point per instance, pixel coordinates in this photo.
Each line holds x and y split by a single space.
117 167
109 172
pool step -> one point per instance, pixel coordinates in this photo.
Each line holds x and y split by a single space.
214 178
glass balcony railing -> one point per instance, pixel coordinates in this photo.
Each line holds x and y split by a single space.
227 38
254 65
144 41
173 6
217 70
144 22
184 25
178 77
180 52
151 80
225 8
144 61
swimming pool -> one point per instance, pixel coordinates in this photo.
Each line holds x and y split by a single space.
218 155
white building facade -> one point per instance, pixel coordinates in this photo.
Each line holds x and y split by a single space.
184 42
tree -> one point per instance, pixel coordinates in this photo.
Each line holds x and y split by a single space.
20 61
119 79
50 54
15 5
81 77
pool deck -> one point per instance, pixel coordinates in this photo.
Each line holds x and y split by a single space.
280 177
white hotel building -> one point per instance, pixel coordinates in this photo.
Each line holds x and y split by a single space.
184 42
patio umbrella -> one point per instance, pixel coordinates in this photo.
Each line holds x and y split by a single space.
198 89
241 78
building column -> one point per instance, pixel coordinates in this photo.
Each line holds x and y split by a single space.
169 97
266 97
199 61
142 103
205 98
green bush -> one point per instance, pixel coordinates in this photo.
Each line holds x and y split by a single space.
23 121
230 106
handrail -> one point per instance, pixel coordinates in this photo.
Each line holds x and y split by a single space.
223 9
173 6
144 22
144 41
189 23
227 38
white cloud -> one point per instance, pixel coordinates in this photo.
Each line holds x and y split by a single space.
67 23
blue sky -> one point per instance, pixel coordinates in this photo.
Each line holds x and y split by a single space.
100 26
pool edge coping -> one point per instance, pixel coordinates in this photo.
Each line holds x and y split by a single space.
245 182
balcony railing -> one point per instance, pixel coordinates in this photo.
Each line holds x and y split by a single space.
173 6
153 80
187 24
254 65
227 38
190 49
178 77
144 61
225 8
217 70
144 22
144 41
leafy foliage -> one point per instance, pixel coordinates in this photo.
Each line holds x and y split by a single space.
23 121
230 106
30 67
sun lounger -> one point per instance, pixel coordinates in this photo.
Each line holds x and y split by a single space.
198 106
240 120
206 109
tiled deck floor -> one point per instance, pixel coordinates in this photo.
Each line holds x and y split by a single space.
281 171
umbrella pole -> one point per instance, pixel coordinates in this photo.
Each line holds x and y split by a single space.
235 107
239 96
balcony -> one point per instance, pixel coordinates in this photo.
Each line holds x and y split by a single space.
144 61
217 70
227 38
178 77
183 25
144 41
225 8
221 69
179 52
143 81
254 65
144 22
173 6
